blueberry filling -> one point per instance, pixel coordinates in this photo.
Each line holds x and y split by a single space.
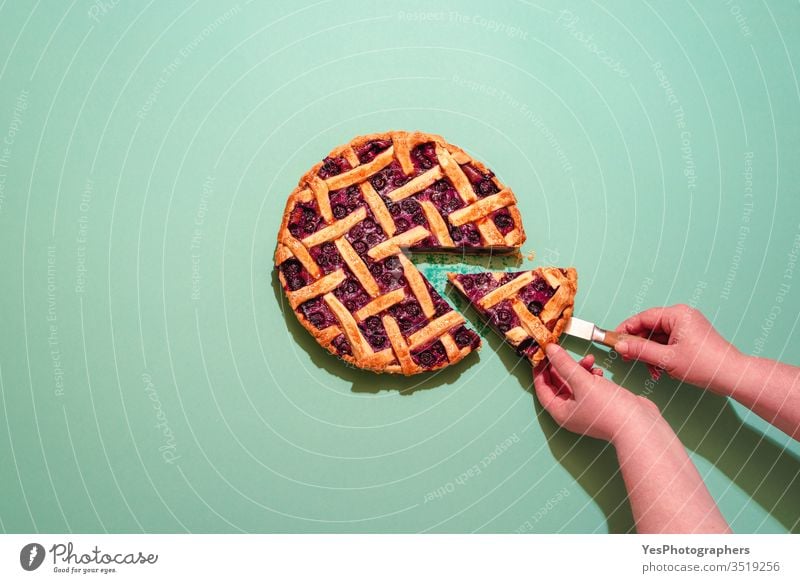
365 235
503 221
503 317
535 307
351 294
472 173
486 187
295 283
406 214
341 345
367 152
375 333
304 219
430 357
443 196
424 157
465 235
527 347
440 306
482 184
536 293
318 313
345 200
465 337
389 178
479 284
327 257
294 274
409 315
332 167
379 182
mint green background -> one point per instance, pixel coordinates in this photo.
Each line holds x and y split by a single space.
275 436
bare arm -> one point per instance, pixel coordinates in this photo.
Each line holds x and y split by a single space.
683 342
666 492
769 388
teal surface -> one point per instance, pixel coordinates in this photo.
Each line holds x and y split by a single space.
149 378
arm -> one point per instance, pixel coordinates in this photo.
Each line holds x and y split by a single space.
683 342
770 389
666 492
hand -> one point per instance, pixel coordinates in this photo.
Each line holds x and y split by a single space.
681 341
581 400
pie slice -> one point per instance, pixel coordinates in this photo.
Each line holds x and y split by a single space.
340 247
530 308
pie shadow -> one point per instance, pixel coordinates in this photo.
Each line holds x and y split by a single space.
708 425
364 381
591 462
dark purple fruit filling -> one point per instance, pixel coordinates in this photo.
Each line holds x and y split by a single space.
482 184
408 314
318 313
366 235
388 273
333 166
477 285
486 187
389 178
367 152
527 348
345 200
327 257
427 243
439 304
443 196
509 276
295 274
503 221
535 307
375 333
352 294
407 214
465 337
424 157
465 235
304 220
341 345
430 357
503 317
536 294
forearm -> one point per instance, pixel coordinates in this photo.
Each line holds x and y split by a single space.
769 388
666 492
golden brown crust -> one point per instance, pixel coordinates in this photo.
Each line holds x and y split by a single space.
548 326
313 188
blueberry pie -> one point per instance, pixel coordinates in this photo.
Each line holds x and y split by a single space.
529 308
340 247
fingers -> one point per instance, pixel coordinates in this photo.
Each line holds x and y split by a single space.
652 320
572 373
646 350
587 362
547 393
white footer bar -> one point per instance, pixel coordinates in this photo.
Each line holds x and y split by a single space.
400 558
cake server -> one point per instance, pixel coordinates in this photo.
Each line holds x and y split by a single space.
589 331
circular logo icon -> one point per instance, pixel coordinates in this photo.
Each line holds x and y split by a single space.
31 556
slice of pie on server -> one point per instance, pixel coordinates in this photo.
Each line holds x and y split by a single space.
529 308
